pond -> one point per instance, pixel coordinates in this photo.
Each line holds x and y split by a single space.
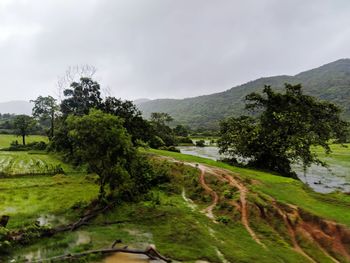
318 178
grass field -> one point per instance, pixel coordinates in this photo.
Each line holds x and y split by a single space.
162 217
6 139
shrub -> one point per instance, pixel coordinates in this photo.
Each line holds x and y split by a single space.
186 140
200 143
156 142
170 149
223 219
38 146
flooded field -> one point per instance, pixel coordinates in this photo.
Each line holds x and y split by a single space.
25 163
321 179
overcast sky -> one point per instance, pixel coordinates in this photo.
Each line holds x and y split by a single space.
160 48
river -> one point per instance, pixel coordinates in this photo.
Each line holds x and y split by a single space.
318 178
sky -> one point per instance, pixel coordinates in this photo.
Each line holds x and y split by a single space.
165 48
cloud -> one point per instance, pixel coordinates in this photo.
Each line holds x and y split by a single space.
163 48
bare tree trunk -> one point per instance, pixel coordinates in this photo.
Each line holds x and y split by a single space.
24 139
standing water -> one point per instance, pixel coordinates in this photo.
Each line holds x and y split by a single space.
318 178
129 258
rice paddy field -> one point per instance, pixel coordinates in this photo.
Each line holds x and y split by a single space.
30 163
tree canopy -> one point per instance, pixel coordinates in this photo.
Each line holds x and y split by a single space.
287 126
138 127
45 109
102 142
81 97
23 125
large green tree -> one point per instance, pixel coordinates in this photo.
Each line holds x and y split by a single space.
287 127
45 108
101 141
138 127
159 122
81 97
23 125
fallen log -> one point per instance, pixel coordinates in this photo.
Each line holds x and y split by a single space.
150 252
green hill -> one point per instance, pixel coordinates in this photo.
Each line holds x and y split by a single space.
329 82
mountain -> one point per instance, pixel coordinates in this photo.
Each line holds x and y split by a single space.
140 101
16 107
328 82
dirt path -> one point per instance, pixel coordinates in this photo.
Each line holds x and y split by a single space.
244 207
209 210
224 175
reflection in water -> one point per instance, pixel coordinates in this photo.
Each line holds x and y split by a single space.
318 178
127 258
323 180
210 152
50 219
83 238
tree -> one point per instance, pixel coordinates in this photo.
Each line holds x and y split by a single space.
161 118
159 121
138 127
200 143
181 130
287 127
101 141
74 74
45 108
23 125
81 97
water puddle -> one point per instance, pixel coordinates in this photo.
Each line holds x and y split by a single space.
50 219
34 255
127 258
323 180
130 258
9 210
83 238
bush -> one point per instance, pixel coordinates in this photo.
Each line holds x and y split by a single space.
170 149
38 146
156 142
223 219
186 140
228 194
200 143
